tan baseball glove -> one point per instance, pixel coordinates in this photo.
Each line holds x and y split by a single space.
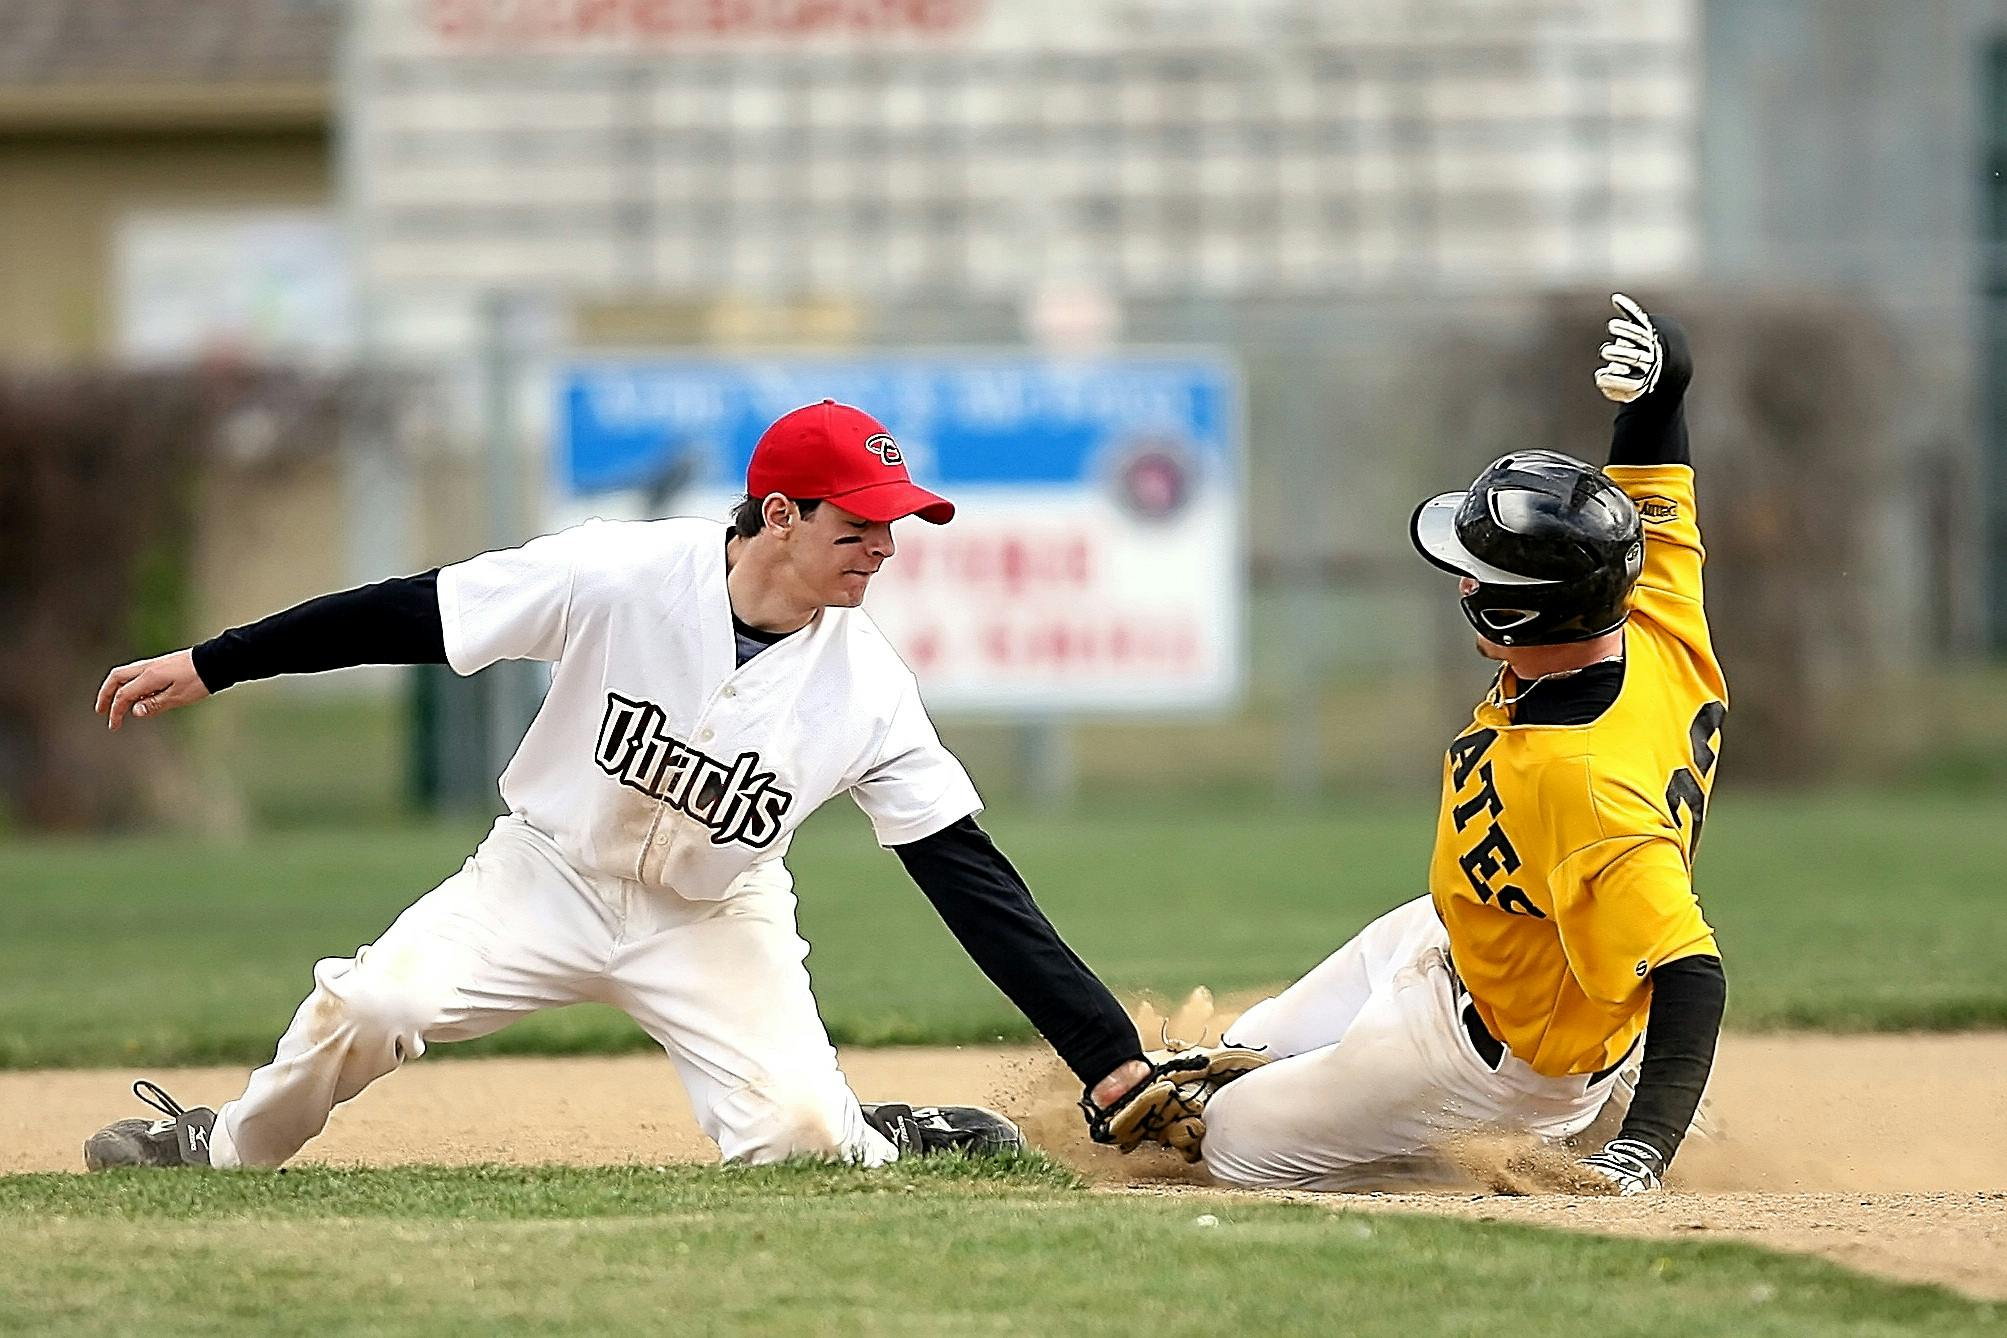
1169 1105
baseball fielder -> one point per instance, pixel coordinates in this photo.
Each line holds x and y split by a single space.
1561 924
712 686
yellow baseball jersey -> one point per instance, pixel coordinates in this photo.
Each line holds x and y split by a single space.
1564 853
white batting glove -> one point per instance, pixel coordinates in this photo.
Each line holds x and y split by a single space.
1634 357
1630 1165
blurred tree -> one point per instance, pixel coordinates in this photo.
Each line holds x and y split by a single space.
98 480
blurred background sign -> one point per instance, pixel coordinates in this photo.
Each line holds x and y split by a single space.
261 285
1097 561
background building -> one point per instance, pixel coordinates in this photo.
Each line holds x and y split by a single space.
1397 219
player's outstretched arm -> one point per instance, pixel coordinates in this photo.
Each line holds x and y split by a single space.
1646 368
989 909
391 622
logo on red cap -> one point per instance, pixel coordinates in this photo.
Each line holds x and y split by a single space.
885 449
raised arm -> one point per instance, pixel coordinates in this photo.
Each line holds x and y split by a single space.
1647 366
1646 369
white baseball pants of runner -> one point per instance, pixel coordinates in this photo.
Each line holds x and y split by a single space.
720 985
1374 1072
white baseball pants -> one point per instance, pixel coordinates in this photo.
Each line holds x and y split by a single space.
1374 1072
720 985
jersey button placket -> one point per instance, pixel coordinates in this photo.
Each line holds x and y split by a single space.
706 731
665 839
660 841
655 845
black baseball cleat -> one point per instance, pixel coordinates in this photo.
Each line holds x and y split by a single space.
182 1139
923 1131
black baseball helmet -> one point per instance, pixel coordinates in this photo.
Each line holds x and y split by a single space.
1553 544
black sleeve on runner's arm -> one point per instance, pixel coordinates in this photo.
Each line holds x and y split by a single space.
1647 434
990 911
392 622
1685 1020
1651 429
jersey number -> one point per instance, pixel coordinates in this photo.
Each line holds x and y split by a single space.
1688 787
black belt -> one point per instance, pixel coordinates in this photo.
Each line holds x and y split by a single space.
1492 1050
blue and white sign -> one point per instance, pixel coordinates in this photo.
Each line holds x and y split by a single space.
1096 560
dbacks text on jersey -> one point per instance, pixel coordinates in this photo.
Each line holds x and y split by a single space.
735 801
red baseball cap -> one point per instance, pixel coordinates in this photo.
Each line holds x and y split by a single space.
833 453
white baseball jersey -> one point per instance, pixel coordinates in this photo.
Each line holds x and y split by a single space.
656 756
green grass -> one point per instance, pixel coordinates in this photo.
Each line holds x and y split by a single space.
303 758
1835 911
916 1249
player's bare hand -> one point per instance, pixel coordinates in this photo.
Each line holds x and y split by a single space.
146 688
1119 1083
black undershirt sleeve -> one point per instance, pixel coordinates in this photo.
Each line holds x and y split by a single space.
990 911
392 622
1649 434
1680 1033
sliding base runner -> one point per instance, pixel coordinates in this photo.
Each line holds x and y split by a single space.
1560 946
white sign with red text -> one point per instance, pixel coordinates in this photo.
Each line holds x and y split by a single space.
1095 563
1036 602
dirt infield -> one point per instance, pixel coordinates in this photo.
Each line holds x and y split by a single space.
1884 1153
